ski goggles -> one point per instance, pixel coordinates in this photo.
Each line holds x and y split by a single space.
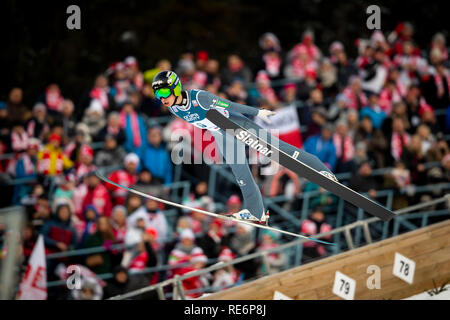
163 93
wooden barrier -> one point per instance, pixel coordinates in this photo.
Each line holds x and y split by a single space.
429 247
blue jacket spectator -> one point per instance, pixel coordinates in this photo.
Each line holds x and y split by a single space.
322 147
374 112
134 126
155 157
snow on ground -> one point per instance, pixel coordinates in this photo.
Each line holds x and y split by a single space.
444 295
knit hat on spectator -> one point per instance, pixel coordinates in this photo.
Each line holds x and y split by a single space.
34 143
202 55
336 46
187 234
130 61
288 86
131 157
262 77
234 199
86 151
226 255
54 137
96 106
39 106
198 256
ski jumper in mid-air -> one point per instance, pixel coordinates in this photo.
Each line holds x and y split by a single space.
192 106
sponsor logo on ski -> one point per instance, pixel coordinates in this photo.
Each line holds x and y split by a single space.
252 142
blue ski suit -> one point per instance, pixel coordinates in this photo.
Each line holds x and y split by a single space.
193 109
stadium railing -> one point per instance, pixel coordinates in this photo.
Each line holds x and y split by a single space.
176 282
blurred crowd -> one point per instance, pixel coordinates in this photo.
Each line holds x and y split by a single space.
387 107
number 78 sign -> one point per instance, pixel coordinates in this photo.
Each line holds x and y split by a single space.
404 268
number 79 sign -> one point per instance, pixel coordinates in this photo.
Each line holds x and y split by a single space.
344 286
404 268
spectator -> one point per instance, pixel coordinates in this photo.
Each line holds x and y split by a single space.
314 225
307 45
211 242
121 86
134 127
111 155
88 225
363 181
228 276
236 68
327 75
53 99
94 117
100 92
322 146
399 139
276 260
188 257
355 95
242 243
121 283
345 148
59 234
133 73
374 141
155 157
389 96
414 158
438 43
147 184
119 223
272 64
17 110
23 165
113 128
345 69
318 120
51 160
374 111
97 195
264 90
100 263
126 177
68 119
38 126
153 218
82 138
335 48
85 163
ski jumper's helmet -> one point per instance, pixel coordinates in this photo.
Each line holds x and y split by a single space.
166 83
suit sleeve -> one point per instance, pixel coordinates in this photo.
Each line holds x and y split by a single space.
209 101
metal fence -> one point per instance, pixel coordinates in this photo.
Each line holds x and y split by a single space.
176 282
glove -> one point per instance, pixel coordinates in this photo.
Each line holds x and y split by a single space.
264 115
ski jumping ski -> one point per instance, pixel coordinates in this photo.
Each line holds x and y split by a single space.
215 215
303 170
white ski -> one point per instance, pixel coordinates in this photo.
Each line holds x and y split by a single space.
215 215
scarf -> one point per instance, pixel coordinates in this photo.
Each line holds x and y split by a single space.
398 143
135 129
356 101
439 81
101 95
19 141
53 100
272 65
344 147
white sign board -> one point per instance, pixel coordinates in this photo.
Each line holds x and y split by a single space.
404 268
279 296
344 286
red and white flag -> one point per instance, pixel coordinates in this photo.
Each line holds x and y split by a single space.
34 282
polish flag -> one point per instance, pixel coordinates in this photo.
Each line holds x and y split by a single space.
284 124
34 282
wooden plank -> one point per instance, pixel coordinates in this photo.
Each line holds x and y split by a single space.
429 247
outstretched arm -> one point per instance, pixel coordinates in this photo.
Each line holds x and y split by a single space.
210 101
